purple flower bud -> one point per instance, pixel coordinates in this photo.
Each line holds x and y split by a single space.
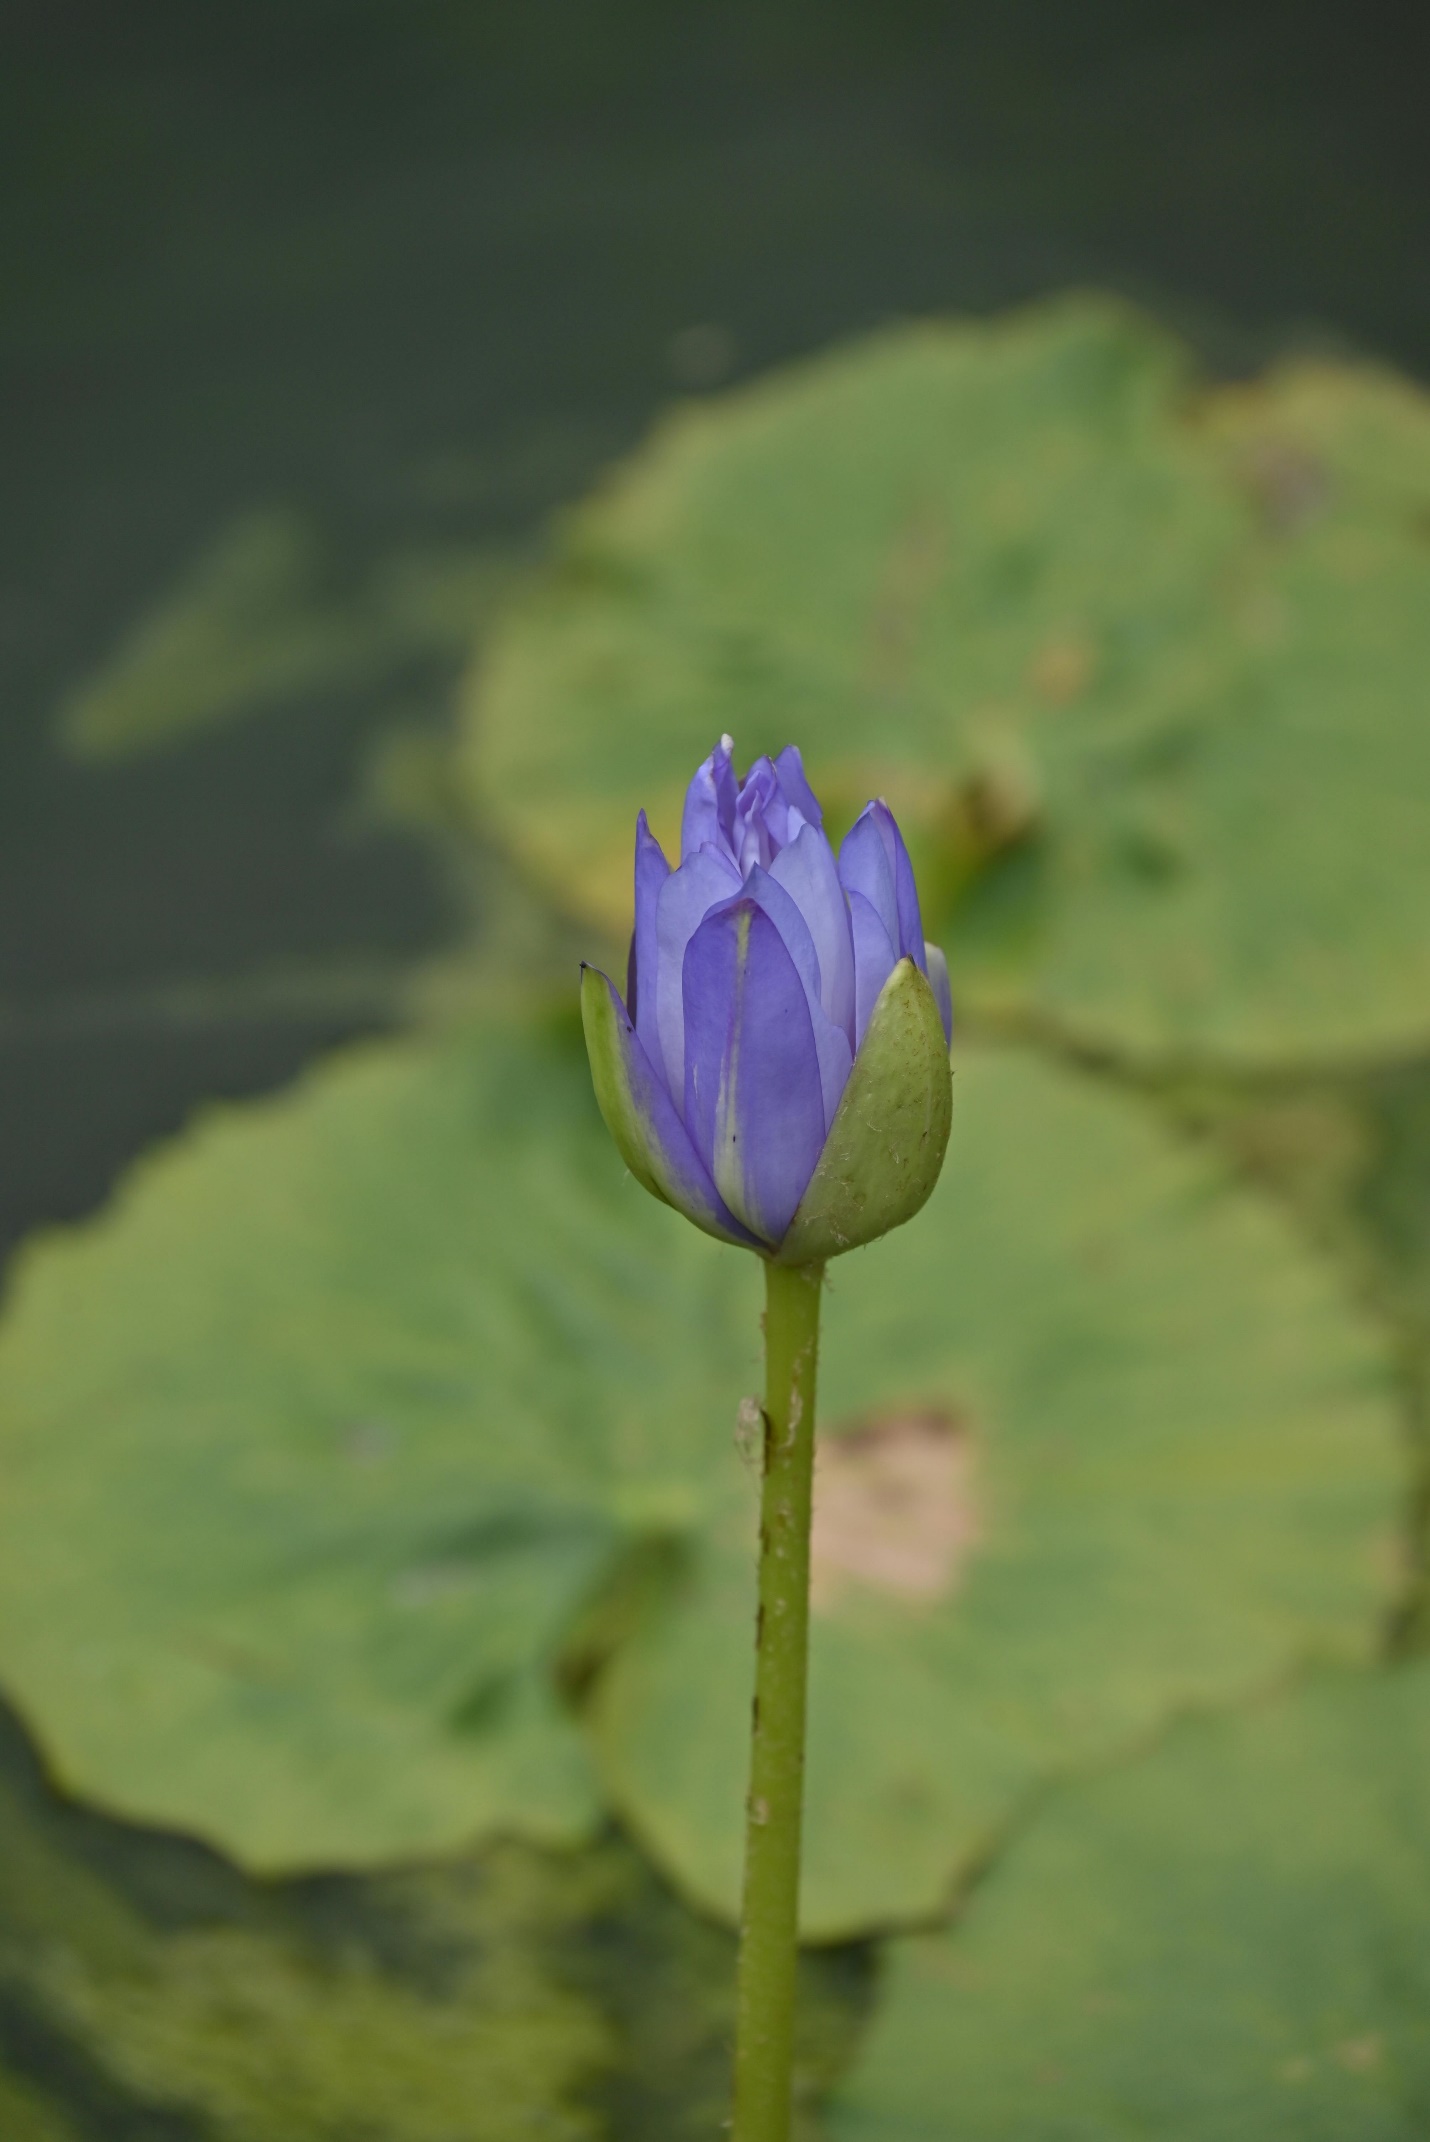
757 968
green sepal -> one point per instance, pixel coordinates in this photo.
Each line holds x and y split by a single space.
610 1078
886 1144
642 1119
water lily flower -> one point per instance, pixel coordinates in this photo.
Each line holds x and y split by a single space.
779 1073
779 1069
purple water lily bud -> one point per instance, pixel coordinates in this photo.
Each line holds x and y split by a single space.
779 1071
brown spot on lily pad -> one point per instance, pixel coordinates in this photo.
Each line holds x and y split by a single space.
1290 486
893 1508
1063 669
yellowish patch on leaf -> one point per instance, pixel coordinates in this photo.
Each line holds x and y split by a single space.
893 1508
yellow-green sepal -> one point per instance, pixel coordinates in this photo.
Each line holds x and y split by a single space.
641 1117
888 1138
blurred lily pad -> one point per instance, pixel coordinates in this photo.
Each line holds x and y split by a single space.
1139 662
1224 1940
376 1427
266 2037
148 1991
309 1454
262 617
417 2008
1117 1449
26 2115
1349 1153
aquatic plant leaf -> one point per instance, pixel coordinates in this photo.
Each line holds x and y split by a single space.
321 1449
1128 1453
411 2007
1224 1939
259 619
150 1990
314 1443
27 2115
267 2041
1140 669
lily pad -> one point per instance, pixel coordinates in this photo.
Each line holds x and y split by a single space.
1224 1940
266 2039
26 2115
1170 1472
262 618
329 1453
313 1445
1139 663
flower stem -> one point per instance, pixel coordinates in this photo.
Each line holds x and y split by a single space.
769 1930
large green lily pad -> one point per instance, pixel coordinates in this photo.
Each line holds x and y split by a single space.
308 1455
1224 1941
1169 1475
1140 664
331 1460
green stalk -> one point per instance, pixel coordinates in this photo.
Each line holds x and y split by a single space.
769 1927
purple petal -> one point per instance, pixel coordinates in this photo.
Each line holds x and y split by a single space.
760 816
874 960
703 881
753 1101
937 970
866 868
836 1057
789 768
641 1116
808 872
652 870
906 892
760 887
709 816
874 861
